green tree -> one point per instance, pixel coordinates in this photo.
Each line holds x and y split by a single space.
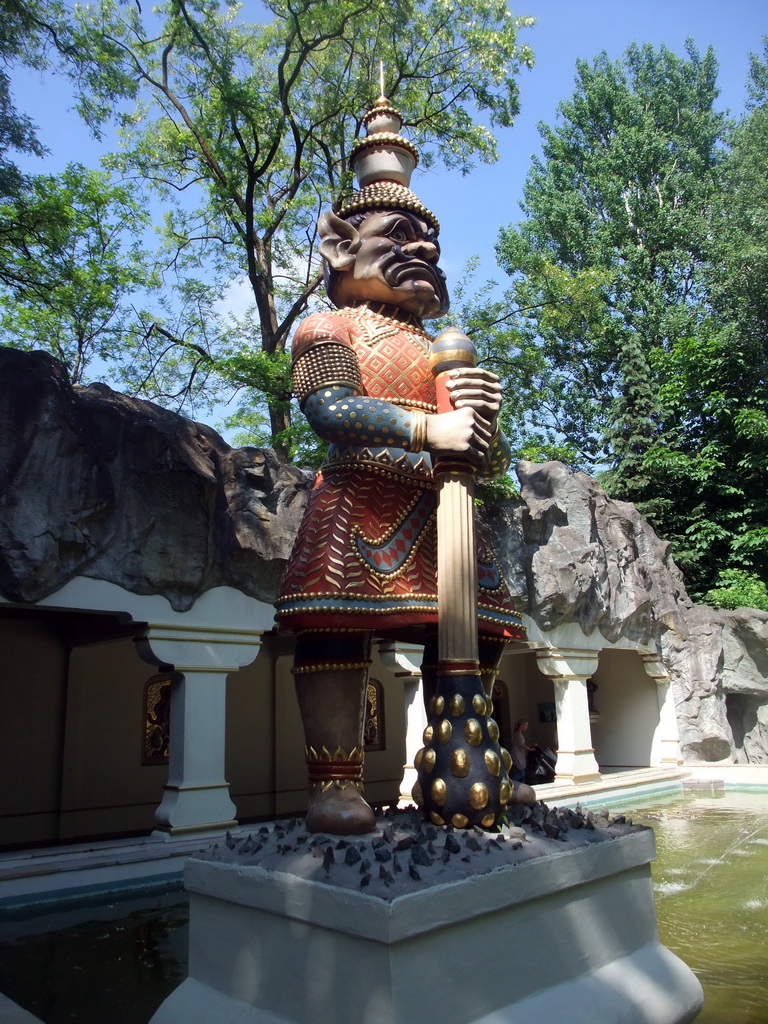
242 132
647 188
21 42
71 272
533 402
609 259
712 455
737 588
69 251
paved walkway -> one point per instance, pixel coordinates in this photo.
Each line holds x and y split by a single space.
66 873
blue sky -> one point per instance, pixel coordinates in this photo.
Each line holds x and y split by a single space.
471 209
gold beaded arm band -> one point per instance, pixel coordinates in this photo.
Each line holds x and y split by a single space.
329 386
328 364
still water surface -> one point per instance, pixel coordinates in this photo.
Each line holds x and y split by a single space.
118 963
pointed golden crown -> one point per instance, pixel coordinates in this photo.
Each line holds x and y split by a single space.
383 161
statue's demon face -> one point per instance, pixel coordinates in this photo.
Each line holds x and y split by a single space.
386 256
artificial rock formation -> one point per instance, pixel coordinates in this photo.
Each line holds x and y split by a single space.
576 555
96 484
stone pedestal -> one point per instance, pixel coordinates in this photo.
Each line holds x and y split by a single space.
568 936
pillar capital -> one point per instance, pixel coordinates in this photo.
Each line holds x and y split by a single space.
197 648
563 663
654 667
402 659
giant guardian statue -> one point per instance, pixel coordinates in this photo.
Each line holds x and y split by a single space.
365 560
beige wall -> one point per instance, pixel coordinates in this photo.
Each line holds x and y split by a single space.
384 768
527 688
72 731
105 785
250 762
627 701
33 673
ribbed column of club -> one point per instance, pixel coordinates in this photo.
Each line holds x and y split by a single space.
456 569
462 776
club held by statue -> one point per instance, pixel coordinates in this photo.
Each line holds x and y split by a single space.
462 772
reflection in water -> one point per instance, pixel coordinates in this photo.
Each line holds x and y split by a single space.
711 885
118 963
115 966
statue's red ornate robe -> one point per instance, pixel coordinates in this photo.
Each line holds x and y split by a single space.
366 554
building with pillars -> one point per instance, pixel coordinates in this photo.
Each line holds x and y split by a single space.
124 717
145 691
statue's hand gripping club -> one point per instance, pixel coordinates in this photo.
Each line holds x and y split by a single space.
468 401
462 771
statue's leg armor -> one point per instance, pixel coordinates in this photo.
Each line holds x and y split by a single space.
429 669
331 673
490 651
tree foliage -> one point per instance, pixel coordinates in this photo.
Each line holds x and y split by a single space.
19 42
71 267
608 259
737 588
642 262
241 131
714 383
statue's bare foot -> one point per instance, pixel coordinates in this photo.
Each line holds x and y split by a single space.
342 812
523 794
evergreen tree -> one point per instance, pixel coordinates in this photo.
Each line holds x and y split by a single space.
632 425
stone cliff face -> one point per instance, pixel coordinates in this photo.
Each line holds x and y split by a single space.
96 484
573 554
719 669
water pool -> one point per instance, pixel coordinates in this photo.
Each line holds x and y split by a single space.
118 962
109 964
711 886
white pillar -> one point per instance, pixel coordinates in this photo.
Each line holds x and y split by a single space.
569 671
404 661
665 750
196 797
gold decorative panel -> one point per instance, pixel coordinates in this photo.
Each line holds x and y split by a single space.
157 718
373 734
